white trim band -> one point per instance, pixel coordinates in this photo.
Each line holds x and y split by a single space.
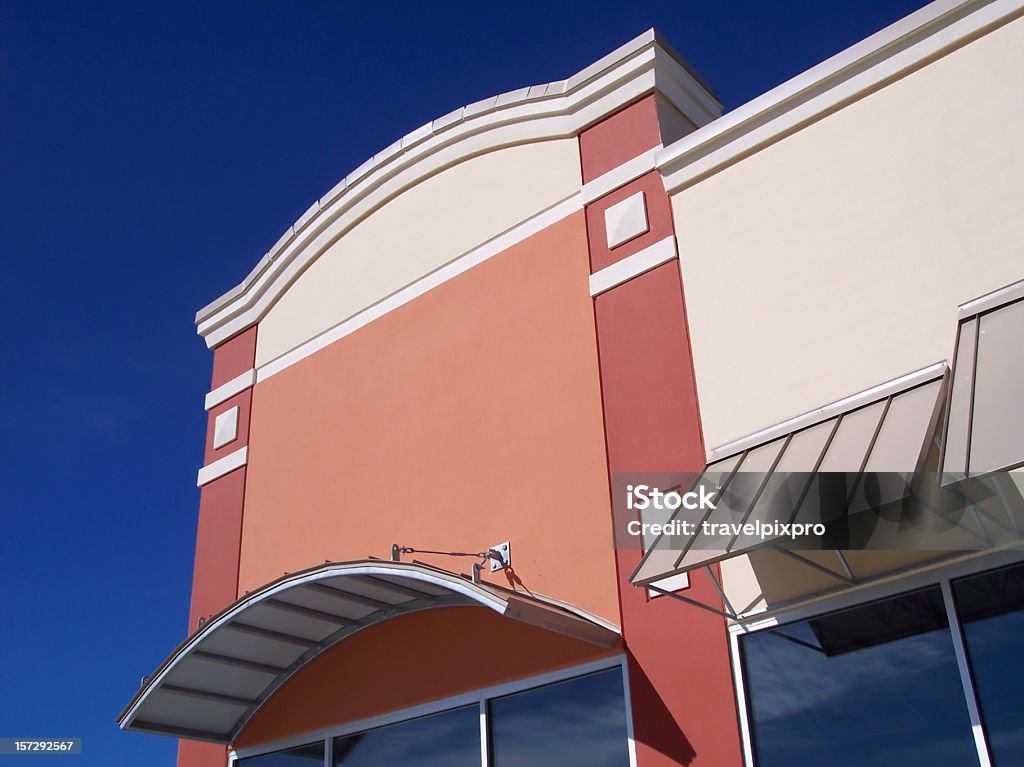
478 255
613 179
622 271
629 171
223 466
893 52
235 386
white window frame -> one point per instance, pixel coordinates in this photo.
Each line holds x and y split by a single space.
479 697
941 576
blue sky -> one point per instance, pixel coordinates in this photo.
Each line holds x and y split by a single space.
149 155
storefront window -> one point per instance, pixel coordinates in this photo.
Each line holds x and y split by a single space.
991 609
875 684
303 756
581 721
578 721
449 739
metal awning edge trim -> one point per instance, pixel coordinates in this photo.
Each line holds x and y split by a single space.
830 410
996 298
287 582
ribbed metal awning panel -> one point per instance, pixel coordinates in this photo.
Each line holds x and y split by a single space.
889 428
986 402
214 682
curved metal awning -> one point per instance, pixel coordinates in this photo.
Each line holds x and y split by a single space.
215 681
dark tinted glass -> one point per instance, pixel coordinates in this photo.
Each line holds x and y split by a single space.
451 739
991 609
303 756
877 684
581 721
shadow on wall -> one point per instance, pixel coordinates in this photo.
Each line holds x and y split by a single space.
657 729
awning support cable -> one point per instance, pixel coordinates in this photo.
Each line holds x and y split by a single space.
411 550
499 557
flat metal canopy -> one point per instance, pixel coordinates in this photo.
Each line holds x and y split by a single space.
886 429
215 681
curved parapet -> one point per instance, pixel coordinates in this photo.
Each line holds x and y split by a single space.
541 114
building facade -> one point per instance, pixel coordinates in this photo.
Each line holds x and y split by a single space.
422 396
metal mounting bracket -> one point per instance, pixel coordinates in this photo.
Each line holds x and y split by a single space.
500 556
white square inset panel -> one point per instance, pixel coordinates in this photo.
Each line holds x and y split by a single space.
225 428
625 220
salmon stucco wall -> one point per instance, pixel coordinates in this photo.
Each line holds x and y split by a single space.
469 416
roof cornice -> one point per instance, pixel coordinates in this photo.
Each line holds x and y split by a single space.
895 51
541 112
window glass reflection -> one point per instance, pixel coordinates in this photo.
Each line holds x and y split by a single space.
875 684
303 756
991 609
581 721
450 739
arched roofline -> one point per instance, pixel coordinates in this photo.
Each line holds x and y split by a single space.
555 110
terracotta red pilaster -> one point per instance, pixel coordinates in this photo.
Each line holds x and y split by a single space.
219 531
681 689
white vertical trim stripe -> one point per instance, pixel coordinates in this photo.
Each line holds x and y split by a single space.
963 666
741 698
628 702
485 756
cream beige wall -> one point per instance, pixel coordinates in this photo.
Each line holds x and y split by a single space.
834 260
417 232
